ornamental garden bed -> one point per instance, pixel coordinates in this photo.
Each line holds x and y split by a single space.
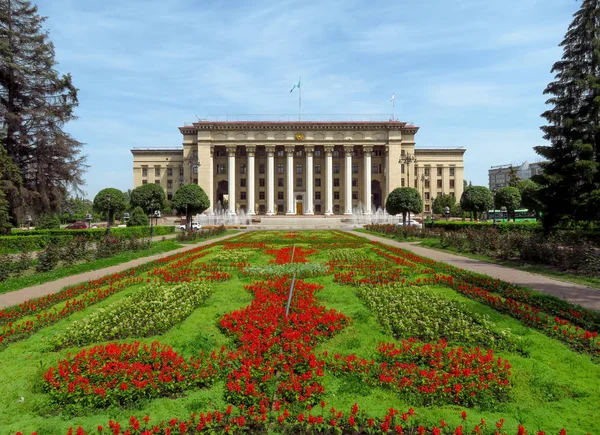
377 340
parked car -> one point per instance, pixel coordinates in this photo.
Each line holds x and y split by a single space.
411 223
77 226
195 226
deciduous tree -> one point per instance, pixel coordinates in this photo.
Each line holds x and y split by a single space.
508 197
476 199
571 176
117 202
190 199
444 200
138 218
404 200
149 197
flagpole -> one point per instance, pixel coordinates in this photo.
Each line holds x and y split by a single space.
299 102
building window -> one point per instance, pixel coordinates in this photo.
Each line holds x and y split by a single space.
318 195
336 195
376 153
221 168
427 170
279 153
376 168
336 182
242 195
144 181
157 182
426 208
336 208
195 181
157 172
452 172
355 168
318 208
261 152
181 171
402 171
221 153
242 169
279 195
169 172
317 182
355 182
261 195
336 153
261 182
451 184
317 169
298 182
170 196
439 184
195 169
439 172
169 184
261 168
298 169
279 208
242 182
144 172
317 153
280 182
280 169
243 152
336 169
402 183
299 153
427 196
354 194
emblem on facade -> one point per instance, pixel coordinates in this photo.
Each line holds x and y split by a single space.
299 136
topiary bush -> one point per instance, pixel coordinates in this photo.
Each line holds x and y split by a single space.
138 218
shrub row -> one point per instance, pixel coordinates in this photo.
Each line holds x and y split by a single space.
503 227
39 239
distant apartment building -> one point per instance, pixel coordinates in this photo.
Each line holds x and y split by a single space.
499 176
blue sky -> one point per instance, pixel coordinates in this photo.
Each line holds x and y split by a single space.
468 72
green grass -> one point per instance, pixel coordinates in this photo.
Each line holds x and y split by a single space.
225 233
553 387
36 278
540 269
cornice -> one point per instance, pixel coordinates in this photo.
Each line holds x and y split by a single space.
297 126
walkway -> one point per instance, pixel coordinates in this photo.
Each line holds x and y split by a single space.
20 296
575 293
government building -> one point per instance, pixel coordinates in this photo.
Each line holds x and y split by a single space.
301 167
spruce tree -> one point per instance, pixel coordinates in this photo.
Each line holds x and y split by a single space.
35 103
571 179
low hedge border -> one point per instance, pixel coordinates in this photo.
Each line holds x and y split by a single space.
39 239
531 227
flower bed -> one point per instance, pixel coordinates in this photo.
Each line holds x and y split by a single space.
278 271
150 311
125 373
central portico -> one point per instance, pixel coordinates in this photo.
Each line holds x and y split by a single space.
297 168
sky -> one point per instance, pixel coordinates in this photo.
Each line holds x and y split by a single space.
469 73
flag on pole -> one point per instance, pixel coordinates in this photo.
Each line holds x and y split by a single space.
297 85
393 98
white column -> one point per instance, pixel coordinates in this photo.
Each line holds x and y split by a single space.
289 154
250 150
211 183
308 198
328 181
367 202
270 181
348 150
231 178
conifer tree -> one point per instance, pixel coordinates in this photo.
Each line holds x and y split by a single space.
35 103
571 179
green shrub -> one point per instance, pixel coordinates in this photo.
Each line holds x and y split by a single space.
49 222
48 259
138 218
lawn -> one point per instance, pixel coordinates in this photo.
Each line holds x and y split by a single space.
492 358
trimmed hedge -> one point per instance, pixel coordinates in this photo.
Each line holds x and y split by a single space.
503 227
39 239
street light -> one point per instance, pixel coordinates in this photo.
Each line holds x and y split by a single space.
423 178
494 224
28 221
447 212
407 159
108 213
125 217
154 215
88 219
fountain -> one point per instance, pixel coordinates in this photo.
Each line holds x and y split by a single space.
221 216
379 216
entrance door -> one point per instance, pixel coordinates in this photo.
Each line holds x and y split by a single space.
298 208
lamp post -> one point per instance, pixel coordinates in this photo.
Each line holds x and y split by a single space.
88 219
126 217
423 179
28 221
407 159
108 215
447 212
494 224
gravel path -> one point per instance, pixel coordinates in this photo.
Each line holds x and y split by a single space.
19 296
575 293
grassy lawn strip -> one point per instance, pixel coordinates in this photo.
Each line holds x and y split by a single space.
589 281
41 278
198 240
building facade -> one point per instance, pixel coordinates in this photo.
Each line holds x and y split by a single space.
499 176
301 168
